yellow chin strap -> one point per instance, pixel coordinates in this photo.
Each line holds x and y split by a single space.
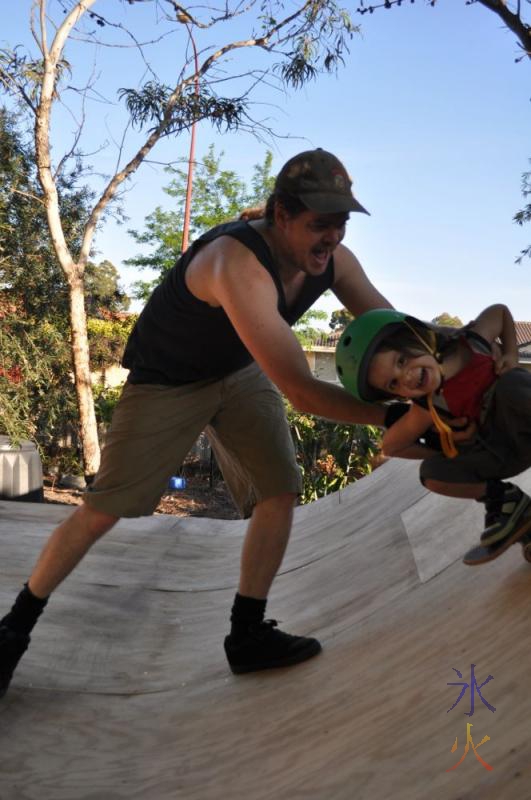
445 432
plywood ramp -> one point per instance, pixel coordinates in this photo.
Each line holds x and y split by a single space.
125 691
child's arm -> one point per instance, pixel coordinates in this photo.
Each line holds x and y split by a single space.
400 439
496 322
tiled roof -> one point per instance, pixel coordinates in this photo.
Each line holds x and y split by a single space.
523 336
327 339
523 332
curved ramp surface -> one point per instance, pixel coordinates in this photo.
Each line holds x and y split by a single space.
125 692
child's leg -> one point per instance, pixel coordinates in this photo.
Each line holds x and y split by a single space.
466 491
505 504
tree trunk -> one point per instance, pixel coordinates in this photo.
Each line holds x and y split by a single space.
73 271
81 363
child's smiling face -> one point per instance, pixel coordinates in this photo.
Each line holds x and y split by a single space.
403 374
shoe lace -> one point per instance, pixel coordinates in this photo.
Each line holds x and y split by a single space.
261 629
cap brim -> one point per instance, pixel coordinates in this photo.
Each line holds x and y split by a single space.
331 203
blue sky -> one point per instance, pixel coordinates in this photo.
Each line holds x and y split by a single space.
430 115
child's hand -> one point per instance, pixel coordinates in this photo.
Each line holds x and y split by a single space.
505 362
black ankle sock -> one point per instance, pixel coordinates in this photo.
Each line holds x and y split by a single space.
494 492
245 611
25 612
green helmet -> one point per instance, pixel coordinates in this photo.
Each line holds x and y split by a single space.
358 343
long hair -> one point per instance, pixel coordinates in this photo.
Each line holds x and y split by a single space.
291 205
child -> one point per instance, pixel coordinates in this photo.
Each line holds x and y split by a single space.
447 373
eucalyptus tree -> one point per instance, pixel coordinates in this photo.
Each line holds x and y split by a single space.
209 74
219 195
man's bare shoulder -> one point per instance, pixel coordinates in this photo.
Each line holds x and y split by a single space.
345 261
225 263
351 284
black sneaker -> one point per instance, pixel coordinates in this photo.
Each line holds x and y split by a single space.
12 647
264 647
505 515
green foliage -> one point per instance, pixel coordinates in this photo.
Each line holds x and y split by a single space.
318 42
19 69
445 320
339 319
105 400
218 196
303 329
37 397
310 40
36 388
107 338
152 104
102 289
29 270
37 394
524 215
329 454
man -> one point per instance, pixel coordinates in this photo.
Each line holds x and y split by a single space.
209 349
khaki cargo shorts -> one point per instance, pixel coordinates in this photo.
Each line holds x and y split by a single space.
154 427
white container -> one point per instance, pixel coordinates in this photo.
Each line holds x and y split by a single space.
20 471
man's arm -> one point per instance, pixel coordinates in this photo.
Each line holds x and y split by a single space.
352 286
401 439
246 292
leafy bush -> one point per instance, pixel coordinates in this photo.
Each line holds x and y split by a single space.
105 400
331 455
107 339
37 395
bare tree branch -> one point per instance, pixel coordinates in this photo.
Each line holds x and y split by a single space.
80 125
512 20
12 86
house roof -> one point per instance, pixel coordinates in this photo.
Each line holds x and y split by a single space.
523 336
523 333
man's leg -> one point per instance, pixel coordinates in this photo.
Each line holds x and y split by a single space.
265 544
153 428
63 551
254 450
67 545
255 644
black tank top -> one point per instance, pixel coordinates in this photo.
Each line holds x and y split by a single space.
179 339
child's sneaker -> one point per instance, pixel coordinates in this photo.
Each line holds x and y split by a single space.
12 647
504 514
265 647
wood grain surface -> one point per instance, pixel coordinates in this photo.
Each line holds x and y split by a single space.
125 691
